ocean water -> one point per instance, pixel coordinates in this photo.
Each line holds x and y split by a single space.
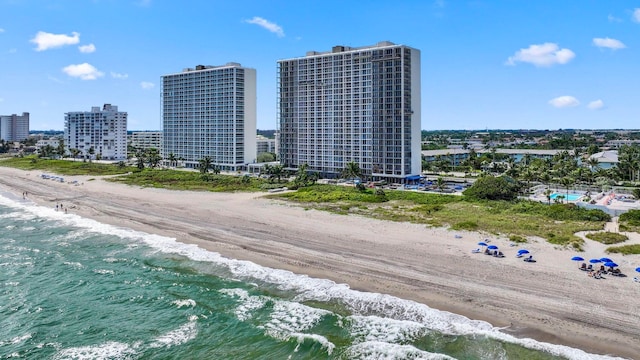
73 288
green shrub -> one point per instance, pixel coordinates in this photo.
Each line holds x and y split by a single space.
517 239
624 249
607 238
465 225
492 188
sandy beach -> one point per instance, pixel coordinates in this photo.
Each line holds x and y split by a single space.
549 300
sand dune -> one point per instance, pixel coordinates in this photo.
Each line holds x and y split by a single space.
550 300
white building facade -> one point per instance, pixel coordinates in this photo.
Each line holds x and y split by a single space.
264 144
357 105
210 111
146 140
104 130
14 127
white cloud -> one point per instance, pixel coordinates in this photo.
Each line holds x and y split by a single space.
116 75
609 43
596 105
13 51
264 23
636 15
50 41
1 30
87 48
83 71
612 18
147 85
1 99
564 101
546 54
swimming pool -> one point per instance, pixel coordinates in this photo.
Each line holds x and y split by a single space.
570 197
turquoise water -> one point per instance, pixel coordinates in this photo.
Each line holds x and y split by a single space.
72 288
570 197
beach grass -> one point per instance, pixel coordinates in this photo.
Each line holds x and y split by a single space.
195 181
521 219
624 249
630 221
64 167
607 238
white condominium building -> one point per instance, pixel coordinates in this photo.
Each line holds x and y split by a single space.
103 130
357 105
210 111
14 127
145 140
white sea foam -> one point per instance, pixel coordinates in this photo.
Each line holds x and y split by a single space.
178 336
323 341
103 271
289 318
16 340
184 302
377 329
109 350
73 264
386 351
360 303
248 303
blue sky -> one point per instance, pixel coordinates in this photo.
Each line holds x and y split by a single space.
485 64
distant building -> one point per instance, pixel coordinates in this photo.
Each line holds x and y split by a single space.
14 127
352 104
146 140
606 159
104 130
210 111
264 145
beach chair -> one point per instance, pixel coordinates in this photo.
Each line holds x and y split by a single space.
583 267
475 251
590 267
636 279
530 259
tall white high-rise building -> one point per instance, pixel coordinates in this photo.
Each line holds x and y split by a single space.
14 127
210 111
349 104
103 130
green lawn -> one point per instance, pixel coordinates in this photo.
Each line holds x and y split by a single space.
64 167
191 180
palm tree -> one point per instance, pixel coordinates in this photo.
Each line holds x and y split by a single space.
277 171
567 182
61 150
440 183
173 160
153 157
352 170
548 193
205 164
74 152
91 152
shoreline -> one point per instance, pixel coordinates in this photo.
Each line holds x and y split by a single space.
550 301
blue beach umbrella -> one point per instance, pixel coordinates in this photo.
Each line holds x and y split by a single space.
523 251
594 261
482 243
492 247
610 264
577 258
605 260
638 269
